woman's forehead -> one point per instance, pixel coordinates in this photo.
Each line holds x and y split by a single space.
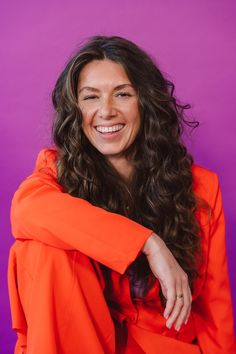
107 71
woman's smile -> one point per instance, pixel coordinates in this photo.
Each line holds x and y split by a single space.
110 132
109 129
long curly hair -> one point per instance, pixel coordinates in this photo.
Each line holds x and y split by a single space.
160 195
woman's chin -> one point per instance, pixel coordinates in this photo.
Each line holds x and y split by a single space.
113 154
110 152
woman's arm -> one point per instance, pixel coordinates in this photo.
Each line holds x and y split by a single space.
212 310
41 211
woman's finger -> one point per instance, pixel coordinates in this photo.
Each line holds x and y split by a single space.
185 308
187 317
182 304
170 298
179 301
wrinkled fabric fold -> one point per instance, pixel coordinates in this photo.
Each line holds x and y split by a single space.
153 343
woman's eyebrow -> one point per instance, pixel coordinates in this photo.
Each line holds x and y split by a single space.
96 90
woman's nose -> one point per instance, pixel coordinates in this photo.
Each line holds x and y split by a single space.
107 109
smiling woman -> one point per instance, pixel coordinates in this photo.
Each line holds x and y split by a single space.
120 236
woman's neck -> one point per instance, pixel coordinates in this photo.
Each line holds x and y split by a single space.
122 166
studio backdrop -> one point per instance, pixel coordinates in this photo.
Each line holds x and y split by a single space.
194 44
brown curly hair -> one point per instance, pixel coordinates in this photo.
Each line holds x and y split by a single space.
160 195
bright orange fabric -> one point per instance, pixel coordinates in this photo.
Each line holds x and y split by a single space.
59 300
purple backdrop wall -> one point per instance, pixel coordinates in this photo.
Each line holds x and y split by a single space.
192 41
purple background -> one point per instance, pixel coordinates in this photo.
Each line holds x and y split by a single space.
194 45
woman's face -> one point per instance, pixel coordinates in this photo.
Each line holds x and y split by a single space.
109 106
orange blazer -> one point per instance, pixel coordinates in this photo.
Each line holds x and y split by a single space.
61 241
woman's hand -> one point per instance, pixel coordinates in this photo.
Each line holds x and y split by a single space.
173 281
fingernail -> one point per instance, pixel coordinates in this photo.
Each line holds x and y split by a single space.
186 321
168 325
177 328
166 315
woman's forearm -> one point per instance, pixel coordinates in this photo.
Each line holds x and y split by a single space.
40 210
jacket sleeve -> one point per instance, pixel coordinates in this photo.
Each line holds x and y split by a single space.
212 310
42 211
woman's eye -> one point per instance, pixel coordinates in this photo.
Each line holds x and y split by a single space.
89 97
123 94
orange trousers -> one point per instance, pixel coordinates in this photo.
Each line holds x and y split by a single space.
60 296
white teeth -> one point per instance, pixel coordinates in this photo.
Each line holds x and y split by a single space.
114 128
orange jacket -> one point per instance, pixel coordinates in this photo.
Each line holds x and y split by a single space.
56 285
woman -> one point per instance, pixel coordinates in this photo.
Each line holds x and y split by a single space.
120 238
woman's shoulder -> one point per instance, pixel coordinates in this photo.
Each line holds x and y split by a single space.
48 152
200 171
46 160
205 181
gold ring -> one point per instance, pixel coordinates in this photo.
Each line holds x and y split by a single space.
179 296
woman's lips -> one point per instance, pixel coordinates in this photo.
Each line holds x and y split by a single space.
109 131
109 128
